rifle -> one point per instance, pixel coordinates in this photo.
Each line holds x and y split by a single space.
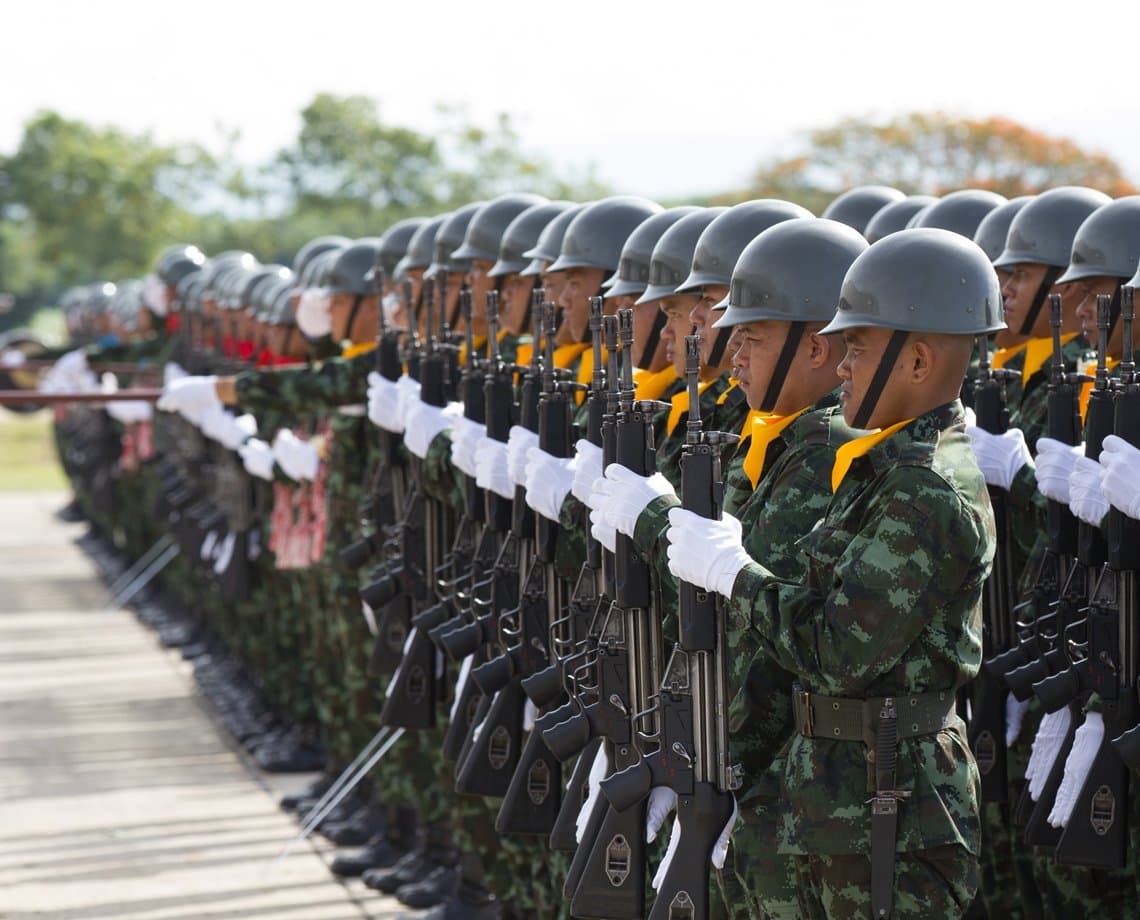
690 742
1097 833
987 725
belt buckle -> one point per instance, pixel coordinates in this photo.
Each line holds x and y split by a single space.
803 703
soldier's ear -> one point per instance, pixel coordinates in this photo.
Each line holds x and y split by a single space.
821 349
920 361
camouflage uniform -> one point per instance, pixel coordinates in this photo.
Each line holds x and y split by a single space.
891 606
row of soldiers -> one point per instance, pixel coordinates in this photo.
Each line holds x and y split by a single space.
553 520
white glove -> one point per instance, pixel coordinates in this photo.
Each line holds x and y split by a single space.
588 468
1055 462
409 389
465 435
130 411
530 715
1119 484
224 552
1015 711
190 396
1086 742
623 495
519 443
424 422
491 468
171 372
601 531
12 357
662 803
1086 496
384 409
257 456
236 431
313 316
704 552
212 420
1000 456
720 848
1046 746
72 364
548 481
670 852
299 459
599 769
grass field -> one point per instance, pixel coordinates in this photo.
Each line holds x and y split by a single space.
27 454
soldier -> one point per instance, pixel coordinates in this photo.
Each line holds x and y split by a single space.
879 787
855 207
893 217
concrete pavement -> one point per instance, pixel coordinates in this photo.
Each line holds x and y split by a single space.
120 798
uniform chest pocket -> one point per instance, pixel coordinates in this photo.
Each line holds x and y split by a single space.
822 548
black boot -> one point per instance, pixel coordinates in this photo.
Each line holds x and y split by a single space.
382 852
312 792
440 885
355 831
470 902
410 868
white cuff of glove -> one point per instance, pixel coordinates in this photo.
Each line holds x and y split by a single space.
491 468
624 495
704 552
465 435
1120 485
423 424
999 456
257 457
1055 462
1086 496
384 408
587 470
190 396
409 389
519 442
548 481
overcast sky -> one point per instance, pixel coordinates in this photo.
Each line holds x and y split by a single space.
665 98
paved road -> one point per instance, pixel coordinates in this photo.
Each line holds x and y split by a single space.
119 797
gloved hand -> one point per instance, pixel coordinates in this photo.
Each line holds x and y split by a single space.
424 423
1046 746
587 469
519 443
313 316
662 803
130 412
465 435
704 552
72 364
299 459
236 431
1119 484
1000 456
1086 742
1086 496
601 531
491 468
224 552
1055 462
171 372
598 771
409 389
190 396
720 848
1014 715
12 357
257 457
622 495
548 481
384 409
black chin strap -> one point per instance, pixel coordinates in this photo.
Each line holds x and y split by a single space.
882 375
453 317
720 346
1114 307
783 363
649 352
1052 273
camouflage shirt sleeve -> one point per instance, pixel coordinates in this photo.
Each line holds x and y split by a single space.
336 382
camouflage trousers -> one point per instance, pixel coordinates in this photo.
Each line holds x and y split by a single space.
756 882
939 882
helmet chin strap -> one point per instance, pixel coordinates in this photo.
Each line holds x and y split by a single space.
356 302
649 352
879 381
1052 273
783 364
719 347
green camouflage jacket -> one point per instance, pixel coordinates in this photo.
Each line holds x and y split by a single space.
307 387
891 605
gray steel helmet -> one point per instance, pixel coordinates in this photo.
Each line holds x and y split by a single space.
632 274
672 257
281 310
175 262
265 294
896 216
265 276
485 232
224 263
314 248
793 272
994 228
550 240
725 238
317 271
595 236
858 205
1043 231
921 280
394 242
1107 244
351 272
449 239
960 211
97 297
126 302
522 234
421 246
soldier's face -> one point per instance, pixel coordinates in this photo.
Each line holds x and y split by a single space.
580 285
366 321
677 326
1082 295
481 284
1017 297
514 296
703 316
865 346
758 347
